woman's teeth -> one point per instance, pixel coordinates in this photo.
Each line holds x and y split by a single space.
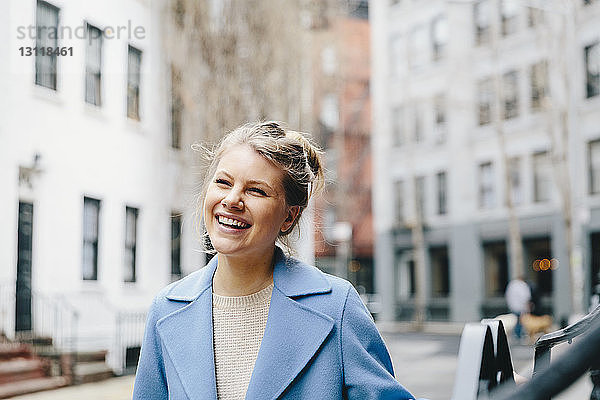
232 222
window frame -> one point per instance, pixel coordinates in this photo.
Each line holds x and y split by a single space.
130 245
93 73
94 240
133 87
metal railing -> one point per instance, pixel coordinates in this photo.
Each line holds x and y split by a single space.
129 332
485 368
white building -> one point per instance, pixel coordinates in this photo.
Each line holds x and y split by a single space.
93 180
462 91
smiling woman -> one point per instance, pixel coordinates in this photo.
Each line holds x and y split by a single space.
256 323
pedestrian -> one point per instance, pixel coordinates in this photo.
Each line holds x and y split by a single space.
256 323
518 296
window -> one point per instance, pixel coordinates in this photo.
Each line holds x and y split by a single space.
133 82
535 16
330 112
420 197
328 60
485 92
439 110
397 56
539 84
440 271
399 201
509 10
93 65
495 261
418 54
594 166
91 216
176 108
439 35
46 36
542 176
514 171
442 190
175 246
131 216
417 123
486 186
592 66
481 16
510 82
398 122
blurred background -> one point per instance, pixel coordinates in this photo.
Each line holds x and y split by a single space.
460 138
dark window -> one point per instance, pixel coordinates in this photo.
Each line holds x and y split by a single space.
495 259
439 35
442 190
485 92
542 176
481 16
487 196
509 10
129 255
539 84
176 108
540 265
594 166
510 84
440 119
440 271
420 197
133 82
46 36
93 65
91 219
592 66
398 123
399 201
175 246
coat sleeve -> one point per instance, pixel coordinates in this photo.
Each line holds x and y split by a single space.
150 380
368 371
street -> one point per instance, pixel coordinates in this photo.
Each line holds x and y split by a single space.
425 363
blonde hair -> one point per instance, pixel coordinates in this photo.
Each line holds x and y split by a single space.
293 152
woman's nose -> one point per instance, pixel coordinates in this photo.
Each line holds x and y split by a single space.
233 200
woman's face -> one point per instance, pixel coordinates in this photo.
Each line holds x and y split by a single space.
244 208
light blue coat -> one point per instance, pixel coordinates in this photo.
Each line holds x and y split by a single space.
320 342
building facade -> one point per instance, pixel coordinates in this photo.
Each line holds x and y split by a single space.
94 191
485 118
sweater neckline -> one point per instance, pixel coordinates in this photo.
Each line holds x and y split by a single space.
261 297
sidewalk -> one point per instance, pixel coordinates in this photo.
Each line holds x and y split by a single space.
111 389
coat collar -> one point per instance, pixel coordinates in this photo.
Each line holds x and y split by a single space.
293 334
292 277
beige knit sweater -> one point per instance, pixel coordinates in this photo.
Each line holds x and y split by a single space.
238 328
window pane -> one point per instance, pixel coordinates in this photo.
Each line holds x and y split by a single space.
440 271
441 192
176 245
418 47
91 212
440 36
398 122
46 36
592 62
486 97
482 11
486 186
495 259
133 82
93 65
129 272
514 169
594 166
542 176
511 94
399 202
539 84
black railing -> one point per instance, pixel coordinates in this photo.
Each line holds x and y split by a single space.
485 368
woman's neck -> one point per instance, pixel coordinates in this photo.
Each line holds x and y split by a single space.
241 276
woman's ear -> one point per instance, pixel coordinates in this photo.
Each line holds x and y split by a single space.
292 214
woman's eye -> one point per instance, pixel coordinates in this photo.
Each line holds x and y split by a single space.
221 182
259 191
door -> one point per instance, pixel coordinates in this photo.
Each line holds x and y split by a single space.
24 256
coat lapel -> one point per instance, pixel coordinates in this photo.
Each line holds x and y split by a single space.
294 332
187 335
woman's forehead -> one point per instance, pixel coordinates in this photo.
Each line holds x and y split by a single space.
247 163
